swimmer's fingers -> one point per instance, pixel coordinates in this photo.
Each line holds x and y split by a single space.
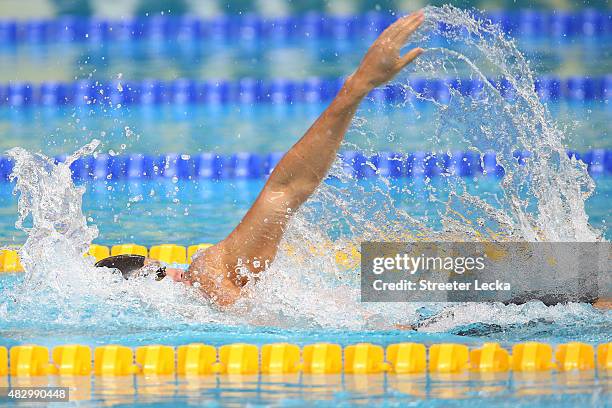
409 57
406 28
394 30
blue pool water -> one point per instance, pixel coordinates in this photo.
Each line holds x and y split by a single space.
291 59
558 389
261 128
207 210
306 298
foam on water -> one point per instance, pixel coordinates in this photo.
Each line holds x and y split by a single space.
540 201
61 284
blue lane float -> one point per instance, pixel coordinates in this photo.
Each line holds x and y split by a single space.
282 91
529 23
417 165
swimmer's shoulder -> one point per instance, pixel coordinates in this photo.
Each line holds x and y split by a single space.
203 258
603 304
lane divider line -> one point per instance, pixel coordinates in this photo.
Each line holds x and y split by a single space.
197 359
587 23
417 165
171 254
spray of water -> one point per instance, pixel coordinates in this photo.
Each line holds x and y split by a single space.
540 201
61 285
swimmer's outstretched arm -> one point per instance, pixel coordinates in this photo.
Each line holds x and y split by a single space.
255 240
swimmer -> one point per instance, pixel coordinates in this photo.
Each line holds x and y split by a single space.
218 270
253 244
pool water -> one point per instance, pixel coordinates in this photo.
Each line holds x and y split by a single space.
205 211
290 59
303 298
400 390
558 389
248 128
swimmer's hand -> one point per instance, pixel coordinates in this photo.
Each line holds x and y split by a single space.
383 60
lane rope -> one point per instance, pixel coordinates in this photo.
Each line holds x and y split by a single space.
417 165
587 23
199 359
282 91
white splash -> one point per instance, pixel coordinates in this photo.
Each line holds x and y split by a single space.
541 201
59 230
60 283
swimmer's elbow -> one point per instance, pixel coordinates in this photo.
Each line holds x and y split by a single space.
299 190
296 187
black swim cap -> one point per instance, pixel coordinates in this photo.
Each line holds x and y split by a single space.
130 266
